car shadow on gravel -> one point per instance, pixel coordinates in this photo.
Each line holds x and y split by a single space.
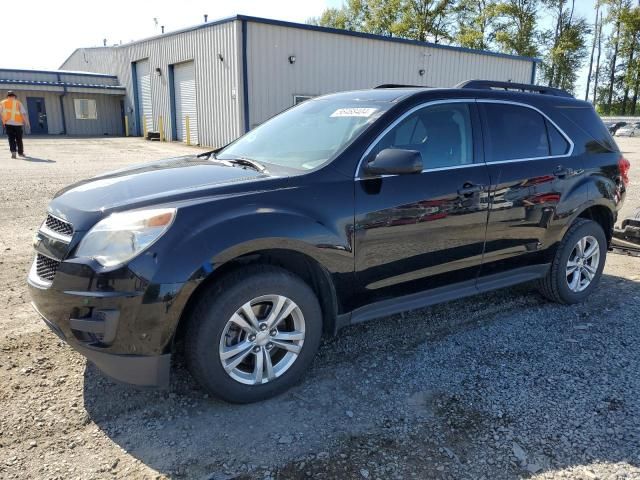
502 385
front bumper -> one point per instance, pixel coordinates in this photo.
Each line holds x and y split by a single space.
148 371
126 332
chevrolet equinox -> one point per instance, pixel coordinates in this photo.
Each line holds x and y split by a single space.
348 207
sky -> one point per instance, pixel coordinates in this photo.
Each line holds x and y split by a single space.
46 32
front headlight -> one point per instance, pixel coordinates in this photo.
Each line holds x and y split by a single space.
121 236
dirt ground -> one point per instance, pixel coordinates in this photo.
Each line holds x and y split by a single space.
504 385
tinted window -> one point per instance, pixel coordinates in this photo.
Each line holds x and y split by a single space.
441 133
587 120
559 145
308 135
514 132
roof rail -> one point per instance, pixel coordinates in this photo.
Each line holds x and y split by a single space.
397 85
523 87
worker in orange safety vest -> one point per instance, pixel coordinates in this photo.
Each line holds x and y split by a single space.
14 119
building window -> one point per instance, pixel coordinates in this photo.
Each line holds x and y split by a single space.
85 109
301 98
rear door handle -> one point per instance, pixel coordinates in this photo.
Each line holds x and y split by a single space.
468 189
562 172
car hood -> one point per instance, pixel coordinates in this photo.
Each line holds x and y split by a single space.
168 180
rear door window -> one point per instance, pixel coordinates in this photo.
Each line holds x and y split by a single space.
513 132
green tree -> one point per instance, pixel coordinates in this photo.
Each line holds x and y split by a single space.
351 16
332 17
516 27
629 46
383 17
474 20
426 20
616 9
567 45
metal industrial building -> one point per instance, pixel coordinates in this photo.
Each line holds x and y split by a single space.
230 75
72 103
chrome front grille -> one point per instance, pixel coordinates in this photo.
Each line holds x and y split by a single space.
53 239
59 226
46 267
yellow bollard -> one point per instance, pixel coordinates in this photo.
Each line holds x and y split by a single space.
126 126
186 124
144 127
160 128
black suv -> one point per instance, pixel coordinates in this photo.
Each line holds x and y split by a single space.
348 207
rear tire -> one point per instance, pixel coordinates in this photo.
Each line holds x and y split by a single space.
577 264
253 334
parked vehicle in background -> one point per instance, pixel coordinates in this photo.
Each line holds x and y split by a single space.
630 130
345 208
614 126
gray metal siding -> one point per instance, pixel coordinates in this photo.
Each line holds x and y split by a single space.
328 62
109 121
325 62
218 83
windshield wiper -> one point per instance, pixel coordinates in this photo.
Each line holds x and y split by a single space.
243 161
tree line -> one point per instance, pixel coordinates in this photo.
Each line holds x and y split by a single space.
607 44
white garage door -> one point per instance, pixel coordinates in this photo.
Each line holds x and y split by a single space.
145 106
184 83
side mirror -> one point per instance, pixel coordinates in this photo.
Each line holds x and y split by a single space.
395 161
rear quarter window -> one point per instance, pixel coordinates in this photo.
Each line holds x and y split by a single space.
587 120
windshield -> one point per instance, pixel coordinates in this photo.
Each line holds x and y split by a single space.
307 136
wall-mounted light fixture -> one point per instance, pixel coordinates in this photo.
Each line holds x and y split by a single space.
220 57
158 72
421 72
292 59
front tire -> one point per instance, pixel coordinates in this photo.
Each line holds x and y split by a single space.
577 264
253 334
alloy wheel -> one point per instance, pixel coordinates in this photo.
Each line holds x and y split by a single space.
262 339
583 263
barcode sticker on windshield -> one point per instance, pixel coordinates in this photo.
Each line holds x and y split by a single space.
354 112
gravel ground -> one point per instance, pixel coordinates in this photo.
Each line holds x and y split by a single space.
503 385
